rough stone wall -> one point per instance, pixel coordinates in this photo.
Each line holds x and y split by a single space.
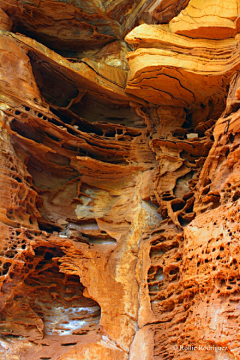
119 174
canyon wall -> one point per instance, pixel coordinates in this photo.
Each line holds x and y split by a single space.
119 173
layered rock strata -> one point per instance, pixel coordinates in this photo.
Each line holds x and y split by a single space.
119 180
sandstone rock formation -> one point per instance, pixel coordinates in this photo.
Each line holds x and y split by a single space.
119 197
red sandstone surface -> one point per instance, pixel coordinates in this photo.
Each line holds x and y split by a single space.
119 173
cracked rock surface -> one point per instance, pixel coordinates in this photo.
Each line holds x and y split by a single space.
119 174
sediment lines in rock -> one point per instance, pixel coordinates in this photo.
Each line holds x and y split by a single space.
119 179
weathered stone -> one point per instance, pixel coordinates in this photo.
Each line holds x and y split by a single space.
119 174
212 19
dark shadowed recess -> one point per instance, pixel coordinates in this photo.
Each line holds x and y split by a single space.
56 88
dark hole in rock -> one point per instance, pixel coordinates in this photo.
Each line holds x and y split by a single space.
177 204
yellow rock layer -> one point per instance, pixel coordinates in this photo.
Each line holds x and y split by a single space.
213 19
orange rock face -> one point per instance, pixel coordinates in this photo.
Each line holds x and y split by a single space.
119 196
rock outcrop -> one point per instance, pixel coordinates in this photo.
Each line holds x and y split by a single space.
119 196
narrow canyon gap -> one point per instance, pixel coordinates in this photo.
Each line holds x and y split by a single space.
119 179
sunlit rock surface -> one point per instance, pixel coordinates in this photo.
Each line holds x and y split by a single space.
119 196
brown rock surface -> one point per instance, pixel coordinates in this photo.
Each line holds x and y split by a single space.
161 12
119 196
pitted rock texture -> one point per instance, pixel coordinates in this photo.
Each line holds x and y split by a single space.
119 173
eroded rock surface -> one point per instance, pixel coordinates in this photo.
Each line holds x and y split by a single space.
119 197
